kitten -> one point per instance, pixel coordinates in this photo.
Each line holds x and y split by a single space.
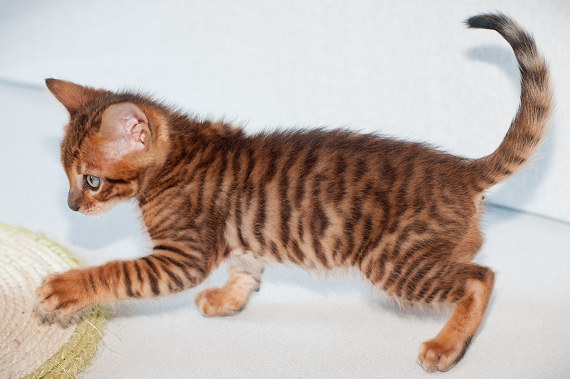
404 214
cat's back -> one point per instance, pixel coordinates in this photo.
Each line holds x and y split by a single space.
332 154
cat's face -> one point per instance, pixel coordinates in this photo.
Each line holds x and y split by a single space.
105 149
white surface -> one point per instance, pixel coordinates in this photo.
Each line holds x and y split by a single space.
408 69
298 325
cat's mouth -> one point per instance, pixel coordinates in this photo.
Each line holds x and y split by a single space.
96 209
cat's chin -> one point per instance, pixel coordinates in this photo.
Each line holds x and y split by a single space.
99 209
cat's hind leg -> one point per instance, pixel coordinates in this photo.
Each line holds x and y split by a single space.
245 271
468 286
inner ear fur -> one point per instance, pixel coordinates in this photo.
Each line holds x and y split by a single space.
127 126
73 96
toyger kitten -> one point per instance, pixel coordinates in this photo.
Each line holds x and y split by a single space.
404 214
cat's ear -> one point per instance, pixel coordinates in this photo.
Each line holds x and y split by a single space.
73 96
128 127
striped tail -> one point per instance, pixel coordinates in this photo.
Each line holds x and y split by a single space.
529 125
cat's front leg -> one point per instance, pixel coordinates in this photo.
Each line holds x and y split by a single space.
168 270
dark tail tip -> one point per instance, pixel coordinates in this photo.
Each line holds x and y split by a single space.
521 42
494 21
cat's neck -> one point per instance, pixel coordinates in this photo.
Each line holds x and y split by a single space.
187 141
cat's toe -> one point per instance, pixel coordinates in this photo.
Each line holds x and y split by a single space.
439 356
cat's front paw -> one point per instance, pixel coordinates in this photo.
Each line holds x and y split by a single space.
62 294
440 355
218 302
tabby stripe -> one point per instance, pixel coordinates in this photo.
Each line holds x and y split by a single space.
220 181
271 169
307 166
319 219
117 276
285 207
397 270
171 249
171 261
153 276
171 180
428 185
298 253
317 247
162 226
259 222
402 237
446 199
275 252
337 246
199 201
207 159
103 276
172 276
445 292
369 269
138 270
192 260
128 284
361 169
442 221
527 138
119 181
440 249
248 178
337 186
186 239
225 197
505 171
401 203
477 187
381 266
84 283
301 230
416 280
382 199
457 294
432 295
348 230
340 191
92 281
488 180
429 282
356 215
340 165
517 160
362 250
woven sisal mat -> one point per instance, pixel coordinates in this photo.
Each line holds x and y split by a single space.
29 345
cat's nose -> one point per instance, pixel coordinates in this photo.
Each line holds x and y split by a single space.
73 201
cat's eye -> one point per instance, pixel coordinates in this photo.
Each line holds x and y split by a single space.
93 181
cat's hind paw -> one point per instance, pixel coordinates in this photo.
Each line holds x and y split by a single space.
436 355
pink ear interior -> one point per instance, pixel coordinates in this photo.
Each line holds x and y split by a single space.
127 125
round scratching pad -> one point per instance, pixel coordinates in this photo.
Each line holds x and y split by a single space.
29 345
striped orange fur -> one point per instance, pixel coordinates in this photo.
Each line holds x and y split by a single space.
404 214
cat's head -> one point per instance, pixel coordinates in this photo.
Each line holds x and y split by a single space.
110 141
